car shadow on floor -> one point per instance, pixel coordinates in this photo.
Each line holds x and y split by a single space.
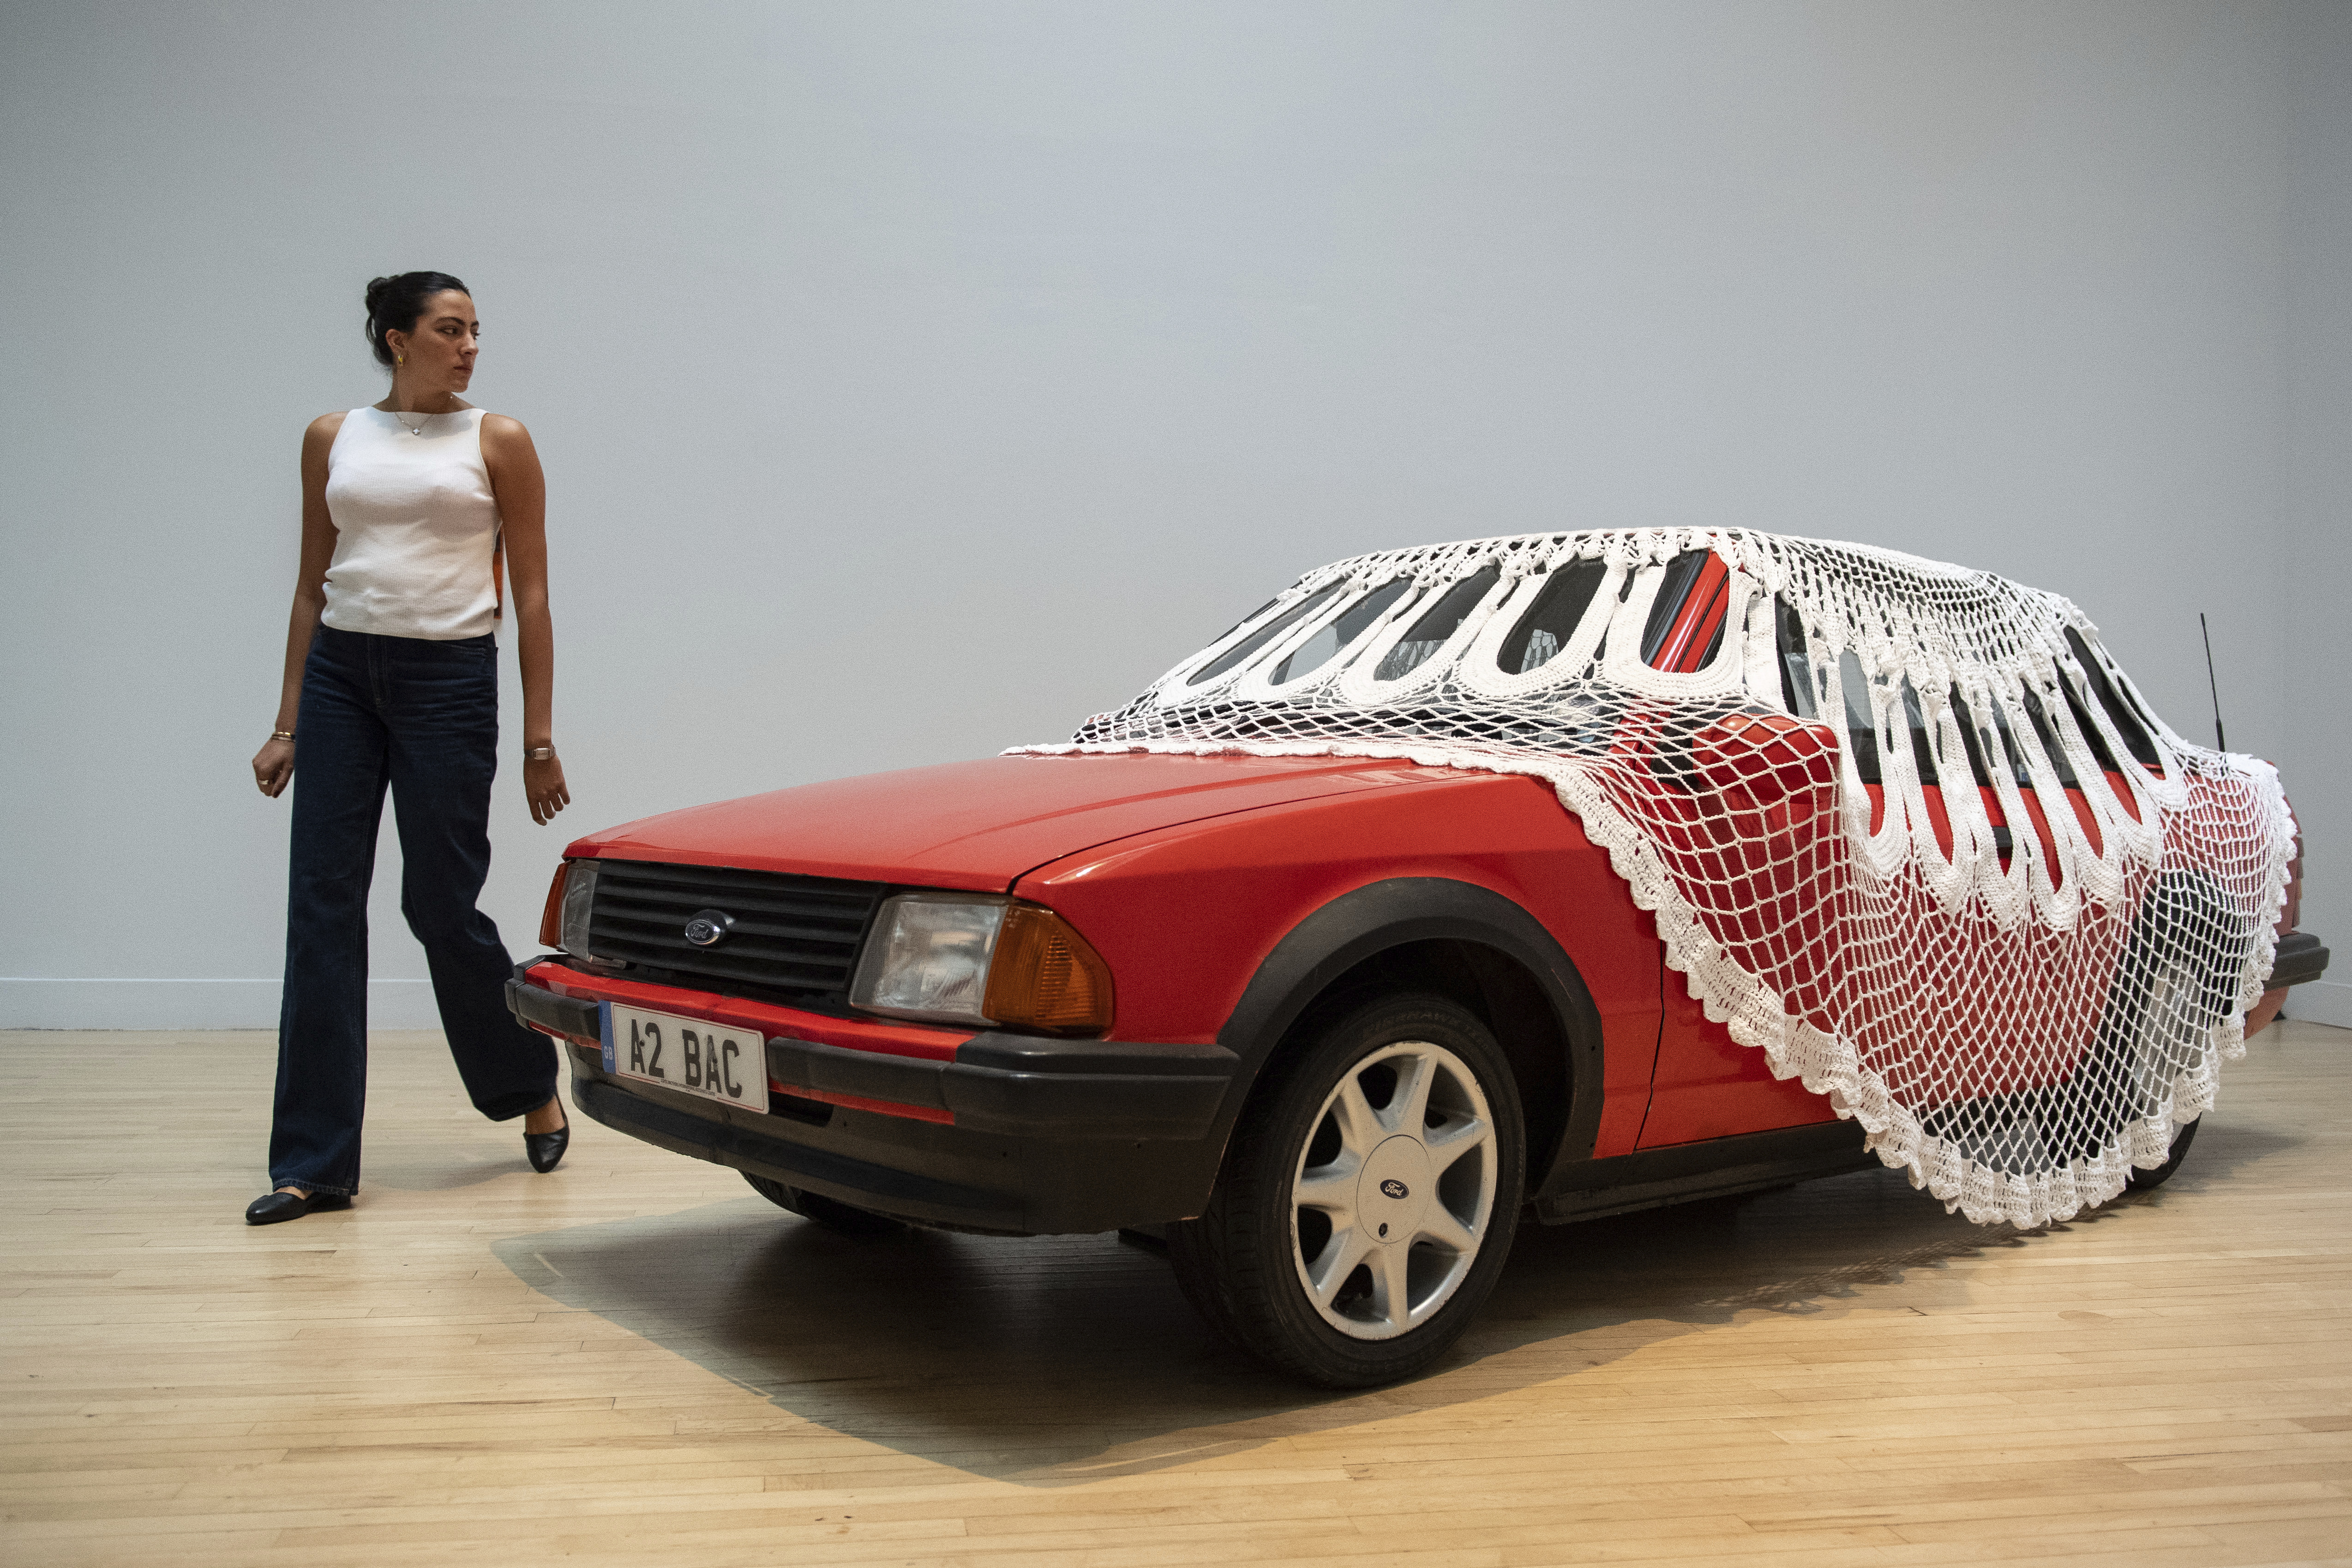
1058 1360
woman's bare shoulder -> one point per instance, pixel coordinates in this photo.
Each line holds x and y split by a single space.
503 435
322 429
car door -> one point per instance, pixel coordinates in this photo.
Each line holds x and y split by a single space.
1706 1084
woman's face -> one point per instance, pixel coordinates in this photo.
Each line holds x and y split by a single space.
438 352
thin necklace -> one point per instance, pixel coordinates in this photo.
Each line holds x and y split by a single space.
405 415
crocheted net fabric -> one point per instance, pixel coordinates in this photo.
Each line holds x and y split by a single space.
1905 826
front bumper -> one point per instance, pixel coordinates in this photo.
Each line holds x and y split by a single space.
1004 1132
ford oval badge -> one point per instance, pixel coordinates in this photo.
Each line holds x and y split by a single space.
1394 1189
709 926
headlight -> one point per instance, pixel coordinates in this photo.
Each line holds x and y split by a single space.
961 958
578 901
551 917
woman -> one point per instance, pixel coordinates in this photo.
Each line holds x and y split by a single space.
392 681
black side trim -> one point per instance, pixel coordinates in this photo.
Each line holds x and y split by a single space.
1652 1178
2301 960
1390 914
1030 1087
683 1134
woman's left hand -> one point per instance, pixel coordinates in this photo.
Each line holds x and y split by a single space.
542 784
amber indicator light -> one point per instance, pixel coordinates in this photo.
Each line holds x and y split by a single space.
551 920
1045 977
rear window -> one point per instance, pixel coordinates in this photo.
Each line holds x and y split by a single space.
1923 743
1973 737
2119 709
2047 733
1862 725
2097 742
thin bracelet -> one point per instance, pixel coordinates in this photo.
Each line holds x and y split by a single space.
281 734
538 754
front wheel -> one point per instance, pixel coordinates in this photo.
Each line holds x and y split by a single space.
1369 1198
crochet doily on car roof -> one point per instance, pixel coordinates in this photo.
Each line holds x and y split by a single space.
2018 1013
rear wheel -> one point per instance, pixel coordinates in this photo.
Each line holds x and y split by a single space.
1368 1199
2139 1181
830 1213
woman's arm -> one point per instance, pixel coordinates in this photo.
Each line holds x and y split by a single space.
522 491
273 765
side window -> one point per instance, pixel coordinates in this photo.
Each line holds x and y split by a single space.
1796 661
1268 632
1552 619
1686 625
1861 726
1437 624
1342 629
2119 709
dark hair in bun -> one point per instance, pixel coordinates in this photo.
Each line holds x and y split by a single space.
394 304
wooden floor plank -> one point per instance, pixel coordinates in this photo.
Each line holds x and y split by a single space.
635 1360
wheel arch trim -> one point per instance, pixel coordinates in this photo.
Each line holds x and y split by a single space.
1397 913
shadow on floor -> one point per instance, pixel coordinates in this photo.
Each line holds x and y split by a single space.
1058 1360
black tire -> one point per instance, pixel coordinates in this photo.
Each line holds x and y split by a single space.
830 1213
1420 1217
2140 1181
2177 978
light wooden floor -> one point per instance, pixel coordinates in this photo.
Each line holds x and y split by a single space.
637 1361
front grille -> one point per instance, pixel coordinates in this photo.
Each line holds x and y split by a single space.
797 935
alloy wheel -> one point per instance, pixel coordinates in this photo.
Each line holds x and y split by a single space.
1395 1190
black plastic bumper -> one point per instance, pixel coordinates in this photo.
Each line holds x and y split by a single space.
1047 1136
1014 1084
2301 958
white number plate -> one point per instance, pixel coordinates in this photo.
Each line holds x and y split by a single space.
693 1056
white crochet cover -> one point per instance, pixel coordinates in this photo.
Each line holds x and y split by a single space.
1906 827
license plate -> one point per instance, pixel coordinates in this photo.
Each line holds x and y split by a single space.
692 1056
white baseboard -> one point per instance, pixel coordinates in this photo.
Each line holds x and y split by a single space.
31 1003
2321 1002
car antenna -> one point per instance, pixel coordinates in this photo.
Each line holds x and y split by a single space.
2210 684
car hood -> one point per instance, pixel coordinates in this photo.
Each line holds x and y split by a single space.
980 825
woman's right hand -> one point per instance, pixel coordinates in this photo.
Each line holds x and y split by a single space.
273 766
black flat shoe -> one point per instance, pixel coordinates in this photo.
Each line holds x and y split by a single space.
544 1149
271 1208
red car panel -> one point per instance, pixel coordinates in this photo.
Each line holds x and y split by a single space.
973 825
1186 914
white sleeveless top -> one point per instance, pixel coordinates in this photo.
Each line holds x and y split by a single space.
416 528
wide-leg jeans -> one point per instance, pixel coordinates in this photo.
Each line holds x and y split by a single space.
420 716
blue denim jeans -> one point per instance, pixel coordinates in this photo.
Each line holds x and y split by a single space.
420 716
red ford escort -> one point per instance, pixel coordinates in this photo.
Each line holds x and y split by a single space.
1327 1025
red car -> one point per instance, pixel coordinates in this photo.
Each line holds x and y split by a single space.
1326 1026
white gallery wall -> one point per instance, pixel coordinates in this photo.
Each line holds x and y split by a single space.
915 380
